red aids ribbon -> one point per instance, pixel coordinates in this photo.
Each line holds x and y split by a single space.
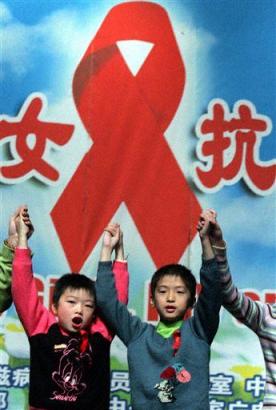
130 160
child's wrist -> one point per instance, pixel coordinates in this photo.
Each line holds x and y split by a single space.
106 253
107 248
22 241
205 239
219 248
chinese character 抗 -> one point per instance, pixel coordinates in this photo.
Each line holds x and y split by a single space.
230 145
28 161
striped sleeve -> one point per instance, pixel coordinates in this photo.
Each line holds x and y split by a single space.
246 310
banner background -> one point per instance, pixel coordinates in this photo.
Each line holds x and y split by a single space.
229 52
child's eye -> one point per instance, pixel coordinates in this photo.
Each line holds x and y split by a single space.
89 306
71 302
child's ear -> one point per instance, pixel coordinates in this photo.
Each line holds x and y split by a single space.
152 302
54 309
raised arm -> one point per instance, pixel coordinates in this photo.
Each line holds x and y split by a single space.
120 271
116 313
246 310
34 316
121 277
6 258
206 311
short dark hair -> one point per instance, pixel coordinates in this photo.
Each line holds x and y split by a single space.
73 281
175 270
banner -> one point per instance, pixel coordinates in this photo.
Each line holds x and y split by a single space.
144 113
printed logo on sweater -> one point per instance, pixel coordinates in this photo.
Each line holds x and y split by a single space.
70 375
60 347
172 375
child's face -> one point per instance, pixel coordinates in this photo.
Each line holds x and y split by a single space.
171 298
75 309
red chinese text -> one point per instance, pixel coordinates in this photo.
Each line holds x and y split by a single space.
28 160
230 145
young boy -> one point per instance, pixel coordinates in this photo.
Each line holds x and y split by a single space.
168 364
259 317
6 257
70 347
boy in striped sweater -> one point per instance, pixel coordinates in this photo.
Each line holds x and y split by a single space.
259 317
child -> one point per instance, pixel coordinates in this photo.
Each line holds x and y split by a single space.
259 317
6 257
168 364
70 348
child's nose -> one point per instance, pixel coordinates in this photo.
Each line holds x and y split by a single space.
79 308
171 296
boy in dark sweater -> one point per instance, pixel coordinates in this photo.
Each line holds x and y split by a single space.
70 345
168 364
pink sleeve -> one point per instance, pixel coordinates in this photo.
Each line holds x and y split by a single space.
34 316
121 276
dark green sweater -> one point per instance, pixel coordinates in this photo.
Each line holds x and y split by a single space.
149 354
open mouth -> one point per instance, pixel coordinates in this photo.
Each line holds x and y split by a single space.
77 321
170 309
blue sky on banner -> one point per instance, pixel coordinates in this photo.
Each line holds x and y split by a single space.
229 51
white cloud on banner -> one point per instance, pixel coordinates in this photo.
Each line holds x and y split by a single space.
60 34
66 34
17 47
5 14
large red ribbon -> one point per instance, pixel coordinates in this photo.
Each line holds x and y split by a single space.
130 160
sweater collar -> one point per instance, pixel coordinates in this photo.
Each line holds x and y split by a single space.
167 329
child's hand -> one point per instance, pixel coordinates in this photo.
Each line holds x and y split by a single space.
12 232
111 235
111 238
24 226
119 248
26 219
207 225
215 233
121 237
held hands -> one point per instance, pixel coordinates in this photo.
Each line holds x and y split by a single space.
111 235
112 239
14 226
209 228
23 227
119 247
